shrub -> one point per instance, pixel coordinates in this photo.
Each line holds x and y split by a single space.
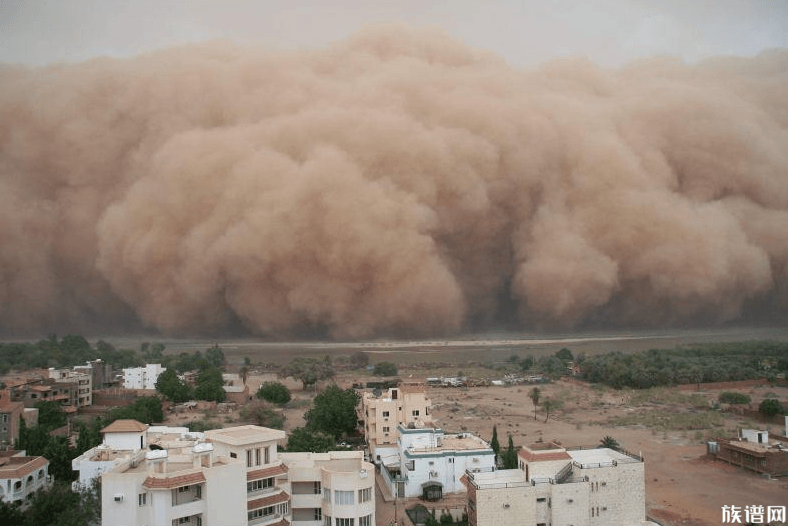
385 369
771 407
730 397
274 392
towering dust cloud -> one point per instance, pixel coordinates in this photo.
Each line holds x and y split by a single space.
397 182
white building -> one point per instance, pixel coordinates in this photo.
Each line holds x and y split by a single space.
126 440
232 476
430 462
331 488
560 487
22 476
142 377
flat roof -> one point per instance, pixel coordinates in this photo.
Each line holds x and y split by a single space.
597 456
241 435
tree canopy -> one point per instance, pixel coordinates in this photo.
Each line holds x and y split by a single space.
308 370
333 412
302 439
209 385
274 392
175 389
385 369
771 407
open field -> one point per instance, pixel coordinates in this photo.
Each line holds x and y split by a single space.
457 350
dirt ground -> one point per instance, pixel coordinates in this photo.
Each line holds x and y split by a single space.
683 485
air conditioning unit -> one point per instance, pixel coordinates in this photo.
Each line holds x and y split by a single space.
118 497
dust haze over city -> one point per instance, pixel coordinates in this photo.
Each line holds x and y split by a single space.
357 172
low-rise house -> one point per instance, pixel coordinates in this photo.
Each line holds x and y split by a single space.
430 463
560 487
755 450
10 414
21 476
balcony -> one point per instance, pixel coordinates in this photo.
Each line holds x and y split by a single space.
186 494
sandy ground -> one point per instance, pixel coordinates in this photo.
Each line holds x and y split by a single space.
683 486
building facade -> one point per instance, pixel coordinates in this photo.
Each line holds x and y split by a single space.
430 462
83 382
560 487
21 476
756 451
142 377
331 488
380 415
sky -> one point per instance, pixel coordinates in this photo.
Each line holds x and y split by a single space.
525 33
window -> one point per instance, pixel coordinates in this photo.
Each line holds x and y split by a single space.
267 459
343 497
327 494
385 429
256 485
318 514
317 487
541 499
184 489
365 495
385 414
233 455
415 412
345 522
142 499
248 458
327 520
261 512
451 460
365 521
257 456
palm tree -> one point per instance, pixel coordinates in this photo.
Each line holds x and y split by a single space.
534 396
609 442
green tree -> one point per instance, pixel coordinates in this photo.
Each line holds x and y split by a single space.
262 414
274 392
510 456
302 439
333 412
175 389
385 369
526 363
534 395
308 370
209 385
50 415
146 409
771 407
494 444
215 356
609 442
564 355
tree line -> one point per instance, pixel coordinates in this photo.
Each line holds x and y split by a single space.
699 363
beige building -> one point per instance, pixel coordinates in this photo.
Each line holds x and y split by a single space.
331 488
559 487
83 381
380 415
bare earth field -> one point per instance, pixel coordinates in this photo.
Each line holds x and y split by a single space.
668 427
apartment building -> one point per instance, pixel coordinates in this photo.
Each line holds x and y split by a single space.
267 496
21 476
560 487
430 462
10 413
329 489
380 413
142 377
83 381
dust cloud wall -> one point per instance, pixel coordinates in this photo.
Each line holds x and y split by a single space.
397 182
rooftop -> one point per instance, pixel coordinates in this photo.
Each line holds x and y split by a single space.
125 426
598 456
242 435
19 467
